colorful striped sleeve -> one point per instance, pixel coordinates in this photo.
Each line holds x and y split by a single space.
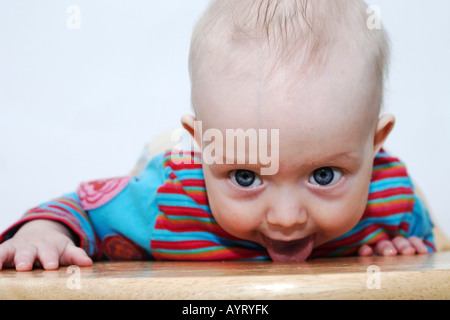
420 224
66 210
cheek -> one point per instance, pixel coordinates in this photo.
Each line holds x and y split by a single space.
239 218
234 218
340 216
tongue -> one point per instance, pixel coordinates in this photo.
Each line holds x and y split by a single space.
290 251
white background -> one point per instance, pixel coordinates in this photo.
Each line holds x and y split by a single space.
80 104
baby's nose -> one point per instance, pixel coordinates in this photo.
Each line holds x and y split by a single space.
287 213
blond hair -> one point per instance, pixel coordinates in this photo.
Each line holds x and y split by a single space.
295 31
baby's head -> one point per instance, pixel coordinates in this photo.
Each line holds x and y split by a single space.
312 72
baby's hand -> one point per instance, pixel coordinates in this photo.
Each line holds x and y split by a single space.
398 245
40 241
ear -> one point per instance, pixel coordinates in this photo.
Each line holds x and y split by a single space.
191 124
384 127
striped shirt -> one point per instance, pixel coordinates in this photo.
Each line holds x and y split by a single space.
163 214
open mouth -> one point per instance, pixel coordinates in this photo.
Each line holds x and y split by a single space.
289 251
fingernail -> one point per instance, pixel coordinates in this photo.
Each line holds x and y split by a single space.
51 266
21 265
408 251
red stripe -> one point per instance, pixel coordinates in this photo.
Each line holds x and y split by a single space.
388 210
171 189
404 226
200 199
163 223
183 166
177 187
390 192
183 226
193 183
168 188
232 254
182 245
185 211
386 160
218 252
54 206
66 214
431 245
359 236
389 174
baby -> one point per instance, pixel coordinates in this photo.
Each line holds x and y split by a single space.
311 74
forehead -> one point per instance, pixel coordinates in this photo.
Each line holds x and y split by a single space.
250 76
341 97
318 115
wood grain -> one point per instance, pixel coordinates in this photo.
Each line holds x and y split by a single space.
400 277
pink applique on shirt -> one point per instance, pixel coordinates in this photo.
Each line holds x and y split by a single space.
94 194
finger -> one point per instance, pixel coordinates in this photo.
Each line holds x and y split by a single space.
403 246
74 255
385 248
418 244
7 253
24 258
48 256
365 251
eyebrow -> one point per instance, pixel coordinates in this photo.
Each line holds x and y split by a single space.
341 158
245 165
234 166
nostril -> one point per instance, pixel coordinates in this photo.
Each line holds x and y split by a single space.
287 219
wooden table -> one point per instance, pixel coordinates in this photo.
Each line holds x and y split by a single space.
401 277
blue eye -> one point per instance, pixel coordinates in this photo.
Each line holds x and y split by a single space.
245 178
325 176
